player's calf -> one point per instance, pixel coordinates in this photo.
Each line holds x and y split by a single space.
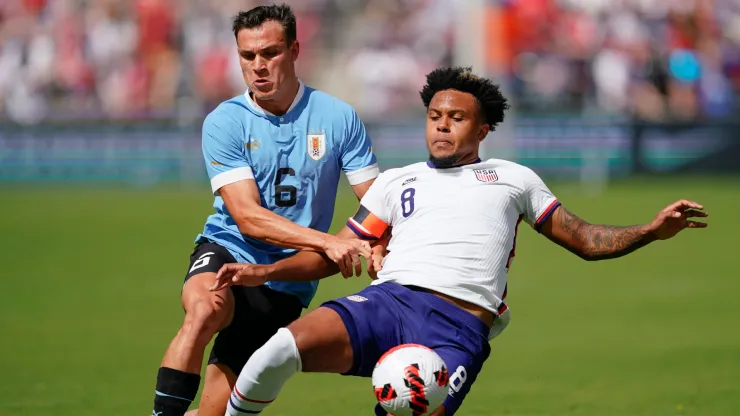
264 374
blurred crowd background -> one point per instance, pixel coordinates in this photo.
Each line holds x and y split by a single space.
651 59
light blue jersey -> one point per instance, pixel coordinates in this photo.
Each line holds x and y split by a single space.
296 160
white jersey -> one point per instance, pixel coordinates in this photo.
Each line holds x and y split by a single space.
454 230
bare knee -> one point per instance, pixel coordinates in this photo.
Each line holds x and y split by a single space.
204 317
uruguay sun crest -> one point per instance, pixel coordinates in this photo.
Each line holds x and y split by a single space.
316 145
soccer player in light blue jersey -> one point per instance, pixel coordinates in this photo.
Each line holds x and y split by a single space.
274 156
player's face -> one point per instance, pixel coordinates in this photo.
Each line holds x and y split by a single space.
266 59
454 129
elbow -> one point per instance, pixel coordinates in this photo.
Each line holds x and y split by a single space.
584 254
249 225
588 257
591 256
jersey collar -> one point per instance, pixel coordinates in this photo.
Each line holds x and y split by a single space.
259 110
433 166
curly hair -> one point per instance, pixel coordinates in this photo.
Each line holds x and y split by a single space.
492 104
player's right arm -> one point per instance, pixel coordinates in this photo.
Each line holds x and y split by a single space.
232 178
305 266
369 224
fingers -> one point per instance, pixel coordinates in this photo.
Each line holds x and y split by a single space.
377 263
364 248
684 204
357 264
696 224
223 277
692 213
345 266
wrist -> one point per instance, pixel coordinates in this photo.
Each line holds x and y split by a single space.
648 234
326 242
268 272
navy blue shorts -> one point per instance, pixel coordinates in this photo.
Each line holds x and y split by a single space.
383 316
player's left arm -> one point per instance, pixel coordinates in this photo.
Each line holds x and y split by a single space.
370 223
600 242
596 241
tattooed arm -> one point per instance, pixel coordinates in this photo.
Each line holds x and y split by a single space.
600 242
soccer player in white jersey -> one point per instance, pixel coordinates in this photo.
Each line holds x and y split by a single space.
454 222
274 155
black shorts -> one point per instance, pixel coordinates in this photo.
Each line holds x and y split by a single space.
258 311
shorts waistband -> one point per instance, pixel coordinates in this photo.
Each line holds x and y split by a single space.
455 312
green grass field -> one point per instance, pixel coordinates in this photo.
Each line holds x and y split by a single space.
91 284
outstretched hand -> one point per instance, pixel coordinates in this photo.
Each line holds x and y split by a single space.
676 217
244 274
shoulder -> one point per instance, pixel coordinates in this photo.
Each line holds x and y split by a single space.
229 113
330 105
393 175
511 172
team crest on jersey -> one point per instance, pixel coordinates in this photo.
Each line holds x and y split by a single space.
316 145
356 298
252 144
486 175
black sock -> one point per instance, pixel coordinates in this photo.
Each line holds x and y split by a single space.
175 391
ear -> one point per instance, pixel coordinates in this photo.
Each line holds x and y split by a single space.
483 132
295 49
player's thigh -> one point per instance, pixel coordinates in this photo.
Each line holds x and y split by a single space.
258 314
218 382
362 327
323 342
463 368
200 304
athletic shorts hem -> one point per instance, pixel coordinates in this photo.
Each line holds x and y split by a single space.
354 335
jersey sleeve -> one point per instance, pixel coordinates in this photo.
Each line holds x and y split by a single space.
357 157
538 201
223 151
373 217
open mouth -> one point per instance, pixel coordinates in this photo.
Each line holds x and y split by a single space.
262 83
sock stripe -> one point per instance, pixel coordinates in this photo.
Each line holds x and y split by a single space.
159 393
239 409
243 397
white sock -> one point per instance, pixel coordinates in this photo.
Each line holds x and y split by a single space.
264 375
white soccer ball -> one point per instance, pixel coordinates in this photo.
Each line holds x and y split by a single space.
410 380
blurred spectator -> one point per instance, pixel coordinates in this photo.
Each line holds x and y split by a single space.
654 59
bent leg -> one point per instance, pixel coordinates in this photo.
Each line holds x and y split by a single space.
258 314
206 313
318 341
179 375
346 336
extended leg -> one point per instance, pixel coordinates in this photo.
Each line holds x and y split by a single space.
317 342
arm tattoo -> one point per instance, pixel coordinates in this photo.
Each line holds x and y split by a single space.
600 242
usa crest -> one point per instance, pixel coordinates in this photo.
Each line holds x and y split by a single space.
316 145
486 175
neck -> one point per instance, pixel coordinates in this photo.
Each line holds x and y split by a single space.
281 105
467 160
441 164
